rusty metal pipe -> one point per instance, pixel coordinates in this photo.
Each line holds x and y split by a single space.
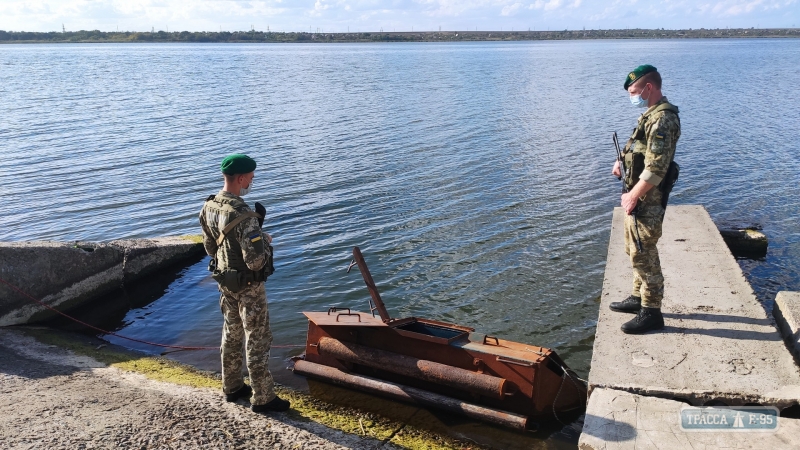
478 383
373 290
409 394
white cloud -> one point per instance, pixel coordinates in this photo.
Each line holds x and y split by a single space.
548 5
736 8
510 10
319 7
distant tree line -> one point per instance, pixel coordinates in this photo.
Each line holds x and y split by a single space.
426 36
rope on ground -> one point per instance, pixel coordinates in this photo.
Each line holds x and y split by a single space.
178 348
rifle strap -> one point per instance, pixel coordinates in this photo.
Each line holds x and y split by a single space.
233 224
630 141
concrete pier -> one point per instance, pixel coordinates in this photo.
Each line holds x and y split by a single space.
66 275
718 345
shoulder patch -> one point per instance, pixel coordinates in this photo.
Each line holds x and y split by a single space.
255 237
660 135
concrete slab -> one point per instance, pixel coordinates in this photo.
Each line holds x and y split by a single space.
621 420
68 274
787 315
718 343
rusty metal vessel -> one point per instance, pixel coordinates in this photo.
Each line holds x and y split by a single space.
438 364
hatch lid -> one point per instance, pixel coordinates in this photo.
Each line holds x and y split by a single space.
344 317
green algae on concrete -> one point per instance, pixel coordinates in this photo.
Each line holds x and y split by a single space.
196 238
305 407
366 423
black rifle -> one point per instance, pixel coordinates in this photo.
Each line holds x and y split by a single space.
623 177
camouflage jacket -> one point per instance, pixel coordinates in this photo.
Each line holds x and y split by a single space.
651 147
244 246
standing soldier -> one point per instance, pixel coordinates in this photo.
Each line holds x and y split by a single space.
241 262
650 173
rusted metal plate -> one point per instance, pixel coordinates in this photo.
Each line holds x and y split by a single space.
532 355
344 317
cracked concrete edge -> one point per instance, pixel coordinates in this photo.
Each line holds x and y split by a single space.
621 420
787 315
788 397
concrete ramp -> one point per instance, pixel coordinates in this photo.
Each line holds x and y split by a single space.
66 275
718 343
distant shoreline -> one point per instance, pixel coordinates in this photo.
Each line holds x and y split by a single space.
83 36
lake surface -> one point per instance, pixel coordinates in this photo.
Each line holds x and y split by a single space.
475 177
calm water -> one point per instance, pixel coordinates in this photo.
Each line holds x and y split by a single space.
474 177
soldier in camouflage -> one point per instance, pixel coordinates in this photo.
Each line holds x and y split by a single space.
232 236
647 156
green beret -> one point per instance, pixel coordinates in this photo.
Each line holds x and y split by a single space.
237 164
637 73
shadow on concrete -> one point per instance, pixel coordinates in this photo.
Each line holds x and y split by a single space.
607 429
722 318
725 333
19 365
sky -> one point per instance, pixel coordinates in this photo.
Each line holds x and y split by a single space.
392 15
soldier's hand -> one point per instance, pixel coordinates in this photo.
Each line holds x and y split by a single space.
615 171
629 202
261 211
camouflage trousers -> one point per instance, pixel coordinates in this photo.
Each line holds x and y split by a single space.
246 325
648 281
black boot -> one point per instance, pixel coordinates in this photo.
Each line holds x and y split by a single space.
243 392
632 305
277 404
648 319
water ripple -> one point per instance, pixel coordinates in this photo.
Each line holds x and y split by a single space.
474 176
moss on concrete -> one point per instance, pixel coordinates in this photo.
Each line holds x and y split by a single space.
196 238
304 406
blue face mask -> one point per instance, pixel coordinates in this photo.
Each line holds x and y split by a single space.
637 100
